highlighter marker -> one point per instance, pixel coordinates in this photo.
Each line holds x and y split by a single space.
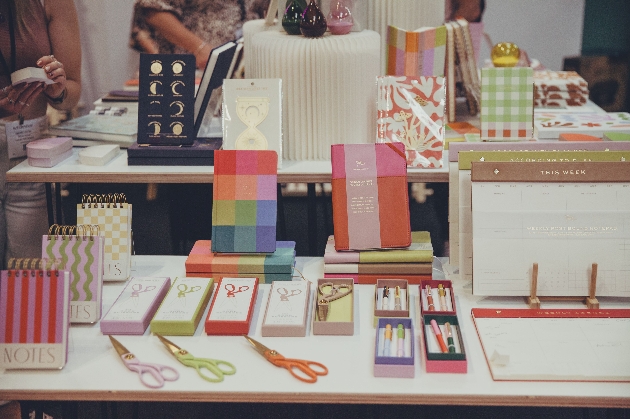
449 338
430 298
401 340
388 340
385 301
442 294
438 336
397 298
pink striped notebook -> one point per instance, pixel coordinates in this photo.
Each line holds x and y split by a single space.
34 319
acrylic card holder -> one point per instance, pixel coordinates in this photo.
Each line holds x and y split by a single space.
182 308
287 309
232 306
443 345
135 306
34 316
166 99
394 354
81 250
391 298
333 307
437 297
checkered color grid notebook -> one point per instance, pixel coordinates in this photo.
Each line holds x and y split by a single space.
507 103
112 214
245 201
416 53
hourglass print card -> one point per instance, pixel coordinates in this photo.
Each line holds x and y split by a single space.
244 201
252 115
166 99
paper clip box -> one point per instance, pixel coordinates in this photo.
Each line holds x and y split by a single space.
135 306
389 309
393 365
449 298
435 359
287 309
34 319
182 308
340 319
232 306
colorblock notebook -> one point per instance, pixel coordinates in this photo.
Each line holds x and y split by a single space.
83 255
34 309
507 103
369 196
420 251
245 201
416 53
411 111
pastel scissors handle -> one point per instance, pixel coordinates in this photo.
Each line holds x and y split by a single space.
156 371
308 373
214 366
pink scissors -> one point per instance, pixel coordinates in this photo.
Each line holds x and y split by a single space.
156 371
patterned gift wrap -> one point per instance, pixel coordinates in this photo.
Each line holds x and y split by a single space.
507 103
245 201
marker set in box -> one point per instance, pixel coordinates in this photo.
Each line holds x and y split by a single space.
444 351
394 351
437 296
391 298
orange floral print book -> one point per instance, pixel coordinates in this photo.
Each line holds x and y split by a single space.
549 125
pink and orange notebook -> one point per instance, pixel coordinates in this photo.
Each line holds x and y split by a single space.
369 196
245 201
34 318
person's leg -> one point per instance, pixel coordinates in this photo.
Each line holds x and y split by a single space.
26 219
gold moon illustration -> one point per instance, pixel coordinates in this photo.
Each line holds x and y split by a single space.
175 92
156 67
153 87
177 68
177 128
181 107
156 127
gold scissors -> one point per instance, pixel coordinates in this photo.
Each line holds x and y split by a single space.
154 370
212 365
302 365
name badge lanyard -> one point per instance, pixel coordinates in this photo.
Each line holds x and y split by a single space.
3 61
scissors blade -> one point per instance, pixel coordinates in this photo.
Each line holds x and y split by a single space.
170 345
119 346
262 349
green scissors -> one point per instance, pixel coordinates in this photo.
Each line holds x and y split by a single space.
212 365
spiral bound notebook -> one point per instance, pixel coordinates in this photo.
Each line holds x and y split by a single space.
112 214
79 249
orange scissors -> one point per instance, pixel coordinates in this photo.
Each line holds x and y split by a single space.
308 373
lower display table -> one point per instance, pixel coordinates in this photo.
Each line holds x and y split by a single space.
95 372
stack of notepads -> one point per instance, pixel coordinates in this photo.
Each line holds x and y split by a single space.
559 89
413 263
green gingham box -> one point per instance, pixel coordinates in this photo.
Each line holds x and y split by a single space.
507 103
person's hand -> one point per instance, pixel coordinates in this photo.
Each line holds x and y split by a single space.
15 99
202 54
55 72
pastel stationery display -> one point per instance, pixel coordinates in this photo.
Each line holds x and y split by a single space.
48 152
394 353
516 346
333 307
411 111
437 297
443 344
562 216
232 306
80 250
421 52
276 266
34 318
287 309
244 205
549 125
112 214
507 103
183 306
166 99
135 306
369 188
252 115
